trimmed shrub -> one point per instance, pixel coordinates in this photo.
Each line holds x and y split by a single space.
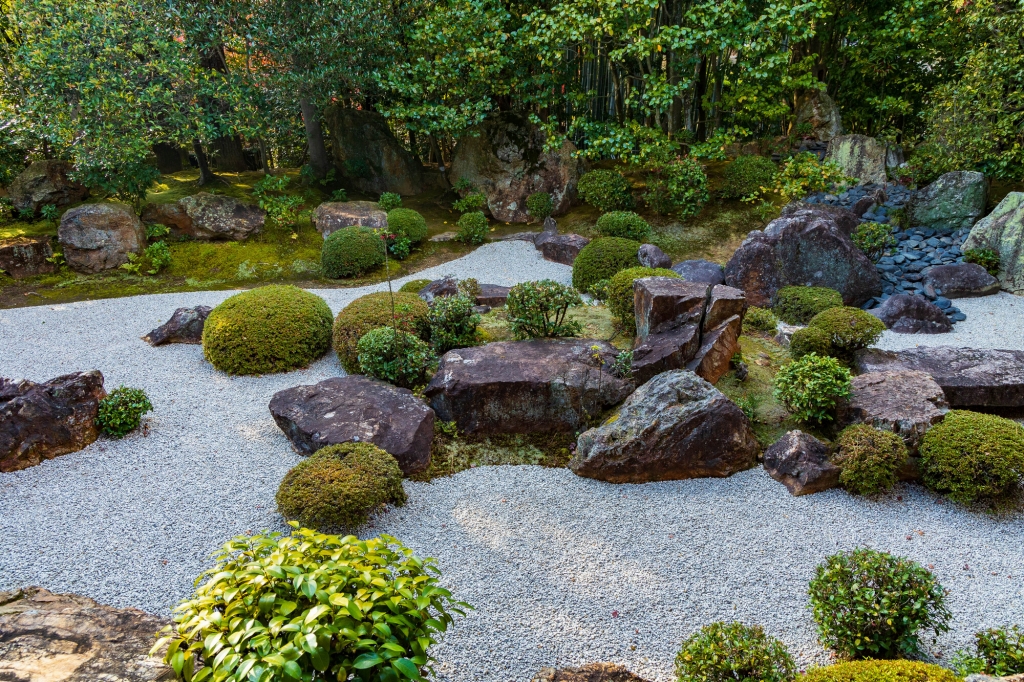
809 340
798 305
400 358
121 411
389 201
679 187
474 201
339 486
848 330
408 223
350 251
998 652
452 323
538 310
539 205
602 258
620 293
869 458
271 329
760 319
625 224
605 190
373 311
812 386
472 228
874 239
871 604
971 456
413 286
747 175
731 652
880 671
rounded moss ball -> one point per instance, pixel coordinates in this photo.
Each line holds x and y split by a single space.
271 329
620 293
880 671
602 258
373 311
605 190
797 305
869 459
624 224
848 329
472 228
351 251
408 222
809 340
760 319
339 486
972 456
539 205
747 175
413 286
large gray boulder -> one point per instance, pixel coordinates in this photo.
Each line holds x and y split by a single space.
185 326
700 270
863 157
800 462
536 386
99 237
821 112
905 402
1002 230
954 201
960 280
357 409
912 314
504 158
675 426
368 156
331 216
43 183
216 217
26 256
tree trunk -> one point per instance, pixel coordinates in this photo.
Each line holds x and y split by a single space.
228 154
413 147
263 157
168 157
205 176
314 138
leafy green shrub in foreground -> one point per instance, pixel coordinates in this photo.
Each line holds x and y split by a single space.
538 310
620 293
874 239
399 358
539 205
869 458
408 223
472 228
812 386
373 311
998 652
848 329
302 605
121 411
625 224
452 322
351 251
746 175
798 305
760 319
986 258
602 258
270 329
731 652
871 604
605 190
679 187
879 671
389 201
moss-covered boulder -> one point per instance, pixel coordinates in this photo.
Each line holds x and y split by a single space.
1002 230
954 201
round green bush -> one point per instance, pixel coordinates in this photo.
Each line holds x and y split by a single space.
602 258
869 458
625 224
731 652
539 205
809 340
472 228
605 190
400 358
972 456
848 330
452 322
812 387
620 293
121 411
271 329
350 251
679 187
747 175
797 305
373 311
414 286
880 671
407 222
871 604
389 201
339 486
760 319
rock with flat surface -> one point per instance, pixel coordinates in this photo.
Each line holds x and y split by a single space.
961 280
536 386
664 351
675 426
562 248
717 346
46 637
905 402
863 157
1002 230
662 303
591 672
368 155
43 183
446 286
26 256
954 201
723 303
968 377
492 295
700 271
99 237
357 409
331 216
219 217
185 326
912 314
43 421
650 256
800 461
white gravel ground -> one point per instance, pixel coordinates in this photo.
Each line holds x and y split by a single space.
992 322
560 569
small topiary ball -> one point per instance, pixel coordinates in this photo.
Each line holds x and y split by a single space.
809 340
620 293
727 652
880 671
747 175
848 330
869 458
339 486
602 258
605 190
120 412
539 205
760 319
625 224
408 223
266 330
797 305
351 251
399 358
414 286
972 456
472 228
373 311
389 201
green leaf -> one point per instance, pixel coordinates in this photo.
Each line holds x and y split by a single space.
367 660
406 668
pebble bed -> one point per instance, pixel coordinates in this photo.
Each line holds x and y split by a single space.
561 570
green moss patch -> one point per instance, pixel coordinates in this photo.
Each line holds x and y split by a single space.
450 455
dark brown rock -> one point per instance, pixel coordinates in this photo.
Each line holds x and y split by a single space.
185 326
173 216
875 198
368 155
26 256
215 216
717 347
357 409
333 215
725 302
650 256
99 237
968 377
591 672
492 295
46 637
905 402
912 314
446 286
662 303
800 462
43 183
43 421
675 426
961 280
665 351
700 271
537 386
562 248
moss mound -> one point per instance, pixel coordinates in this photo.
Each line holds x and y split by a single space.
373 311
620 293
350 251
748 174
339 486
869 459
409 223
602 258
809 340
760 319
797 305
880 671
414 286
848 330
625 224
271 329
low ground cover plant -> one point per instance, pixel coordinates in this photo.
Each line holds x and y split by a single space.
351 251
733 652
409 313
601 259
120 412
997 651
605 190
620 293
986 258
880 671
798 305
398 357
538 310
625 224
812 387
869 458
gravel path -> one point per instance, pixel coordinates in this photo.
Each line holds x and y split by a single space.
560 569
992 322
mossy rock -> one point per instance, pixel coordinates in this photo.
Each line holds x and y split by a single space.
620 293
408 222
879 671
339 486
373 311
351 251
271 329
601 259
798 305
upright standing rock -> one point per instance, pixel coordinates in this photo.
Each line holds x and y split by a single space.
700 271
1002 230
954 201
99 237
44 183
863 157
367 154
818 110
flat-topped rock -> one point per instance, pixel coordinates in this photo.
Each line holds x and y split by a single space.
961 280
912 314
664 351
26 256
561 248
905 402
800 462
492 295
700 271
331 216
662 303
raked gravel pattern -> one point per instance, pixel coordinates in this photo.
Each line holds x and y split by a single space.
561 570
995 321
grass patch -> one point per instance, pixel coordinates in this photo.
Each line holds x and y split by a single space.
450 455
597 322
